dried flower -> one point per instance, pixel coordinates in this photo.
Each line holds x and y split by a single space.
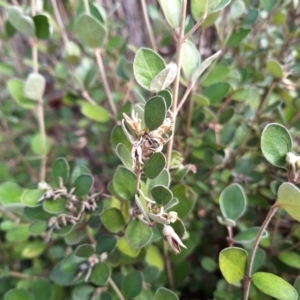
173 239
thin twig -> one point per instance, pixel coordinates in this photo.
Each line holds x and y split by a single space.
168 265
230 236
21 275
60 23
10 215
148 25
177 79
247 278
105 82
197 25
39 108
115 288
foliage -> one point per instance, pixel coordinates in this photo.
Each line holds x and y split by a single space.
159 179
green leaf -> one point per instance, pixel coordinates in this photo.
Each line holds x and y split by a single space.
226 115
216 92
203 66
100 274
172 11
31 197
37 213
62 278
113 220
124 155
198 8
126 248
249 235
161 194
83 292
154 257
10 193
166 94
18 294
37 146
21 22
154 165
162 179
274 286
237 37
74 237
55 206
118 136
85 250
233 201
290 258
42 289
83 184
79 170
60 169
124 183
42 27
237 9
274 68
38 227
289 199
155 112
90 31
164 78
106 243
190 59
146 66
297 285
258 259
214 7
132 284
186 197
138 234
164 294
95 112
16 89
18 234
34 87
33 249
71 263
276 142
232 263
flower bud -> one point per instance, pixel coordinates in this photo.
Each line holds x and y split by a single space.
173 239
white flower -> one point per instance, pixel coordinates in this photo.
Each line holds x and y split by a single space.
172 216
173 239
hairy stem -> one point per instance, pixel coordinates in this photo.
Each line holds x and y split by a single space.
177 79
247 278
148 25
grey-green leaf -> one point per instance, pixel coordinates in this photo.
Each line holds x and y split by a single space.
172 11
90 31
155 112
154 165
83 184
276 142
164 78
35 86
61 170
146 66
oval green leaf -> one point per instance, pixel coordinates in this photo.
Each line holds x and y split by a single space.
100 274
164 294
274 286
83 184
106 243
95 112
42 27
290 258
154 165
274 68
172 11
18 294
155 112
138 234
124 183
146 66
34 87
90 31
249 235
113 220
164 78
233 201
132 284
37 144
190 59
124 155
276 142
289 199
60 169
232 263
10 193
161 194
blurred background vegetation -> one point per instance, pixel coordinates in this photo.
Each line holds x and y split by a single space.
255 81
